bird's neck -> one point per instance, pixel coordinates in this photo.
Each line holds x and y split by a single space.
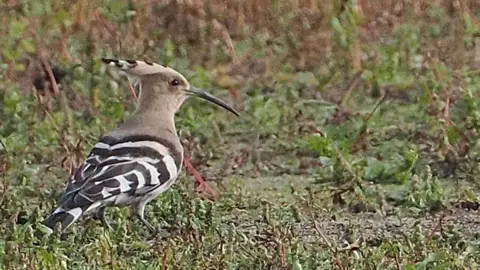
152 117
157 121
158 110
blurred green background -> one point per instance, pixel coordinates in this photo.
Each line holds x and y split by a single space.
357 147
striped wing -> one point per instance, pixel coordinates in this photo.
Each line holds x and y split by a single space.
118 171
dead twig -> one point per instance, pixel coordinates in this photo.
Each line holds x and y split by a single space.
4 147
398 265
376 107
42 56
47 113
283 254
437 226
48 68
165 256
363 131
334 251
353 84
4 169
222 32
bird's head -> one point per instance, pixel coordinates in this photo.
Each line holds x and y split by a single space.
163 86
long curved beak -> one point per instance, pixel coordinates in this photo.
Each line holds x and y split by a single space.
209 97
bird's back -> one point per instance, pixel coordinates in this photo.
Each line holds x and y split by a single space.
123 168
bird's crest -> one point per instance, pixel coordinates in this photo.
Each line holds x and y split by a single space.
137 68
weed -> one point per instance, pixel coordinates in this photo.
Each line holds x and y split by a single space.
357 147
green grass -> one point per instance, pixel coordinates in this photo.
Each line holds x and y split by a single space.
330 166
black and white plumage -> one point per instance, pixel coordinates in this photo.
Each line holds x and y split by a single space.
139 160
128 171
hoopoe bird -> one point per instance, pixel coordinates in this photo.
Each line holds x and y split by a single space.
134 163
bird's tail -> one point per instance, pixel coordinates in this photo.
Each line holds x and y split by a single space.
64 217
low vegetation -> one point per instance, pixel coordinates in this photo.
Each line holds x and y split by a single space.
357 147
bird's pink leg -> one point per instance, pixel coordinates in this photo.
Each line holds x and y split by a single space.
189 167
133 90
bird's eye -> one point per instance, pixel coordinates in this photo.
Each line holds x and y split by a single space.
174 83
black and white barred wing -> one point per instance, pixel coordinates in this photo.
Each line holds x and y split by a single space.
117 172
